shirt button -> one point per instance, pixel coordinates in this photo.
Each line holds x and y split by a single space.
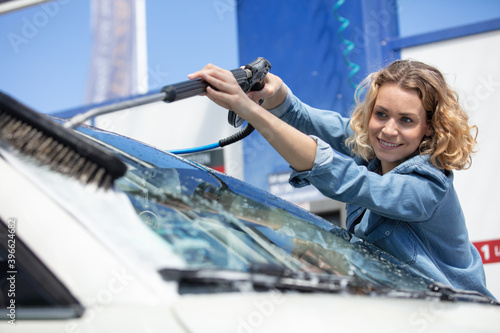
387 233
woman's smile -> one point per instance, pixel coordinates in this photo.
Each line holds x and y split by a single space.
387 145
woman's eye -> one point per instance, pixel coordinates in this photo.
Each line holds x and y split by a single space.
380 114
406 120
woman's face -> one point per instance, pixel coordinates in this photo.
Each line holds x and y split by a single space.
397 125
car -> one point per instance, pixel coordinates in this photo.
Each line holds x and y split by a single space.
176 246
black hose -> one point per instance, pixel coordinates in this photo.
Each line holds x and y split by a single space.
237 136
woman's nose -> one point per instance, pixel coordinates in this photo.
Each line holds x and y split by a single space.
390 128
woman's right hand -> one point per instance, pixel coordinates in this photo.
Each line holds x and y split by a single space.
224 90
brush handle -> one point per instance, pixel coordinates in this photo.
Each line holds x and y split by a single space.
177 91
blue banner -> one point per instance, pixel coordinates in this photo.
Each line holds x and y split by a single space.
321 49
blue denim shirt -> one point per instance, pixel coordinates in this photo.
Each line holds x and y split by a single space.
412 212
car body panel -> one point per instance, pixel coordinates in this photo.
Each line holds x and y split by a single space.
278 312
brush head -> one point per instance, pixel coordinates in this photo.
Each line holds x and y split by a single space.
64 151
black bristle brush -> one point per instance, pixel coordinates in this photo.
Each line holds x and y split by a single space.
64 151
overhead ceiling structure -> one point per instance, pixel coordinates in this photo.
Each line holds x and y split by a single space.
12 5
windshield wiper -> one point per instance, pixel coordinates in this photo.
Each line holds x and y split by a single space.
447 293
261 279
272 277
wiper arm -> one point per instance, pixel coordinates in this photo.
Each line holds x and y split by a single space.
216 280
447 293
278 278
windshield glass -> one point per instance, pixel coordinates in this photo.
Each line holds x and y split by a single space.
214 221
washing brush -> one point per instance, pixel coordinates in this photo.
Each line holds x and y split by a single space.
61 149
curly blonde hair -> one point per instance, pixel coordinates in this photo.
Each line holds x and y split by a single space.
452 141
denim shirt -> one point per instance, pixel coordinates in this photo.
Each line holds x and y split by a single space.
411 212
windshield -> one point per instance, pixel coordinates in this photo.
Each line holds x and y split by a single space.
214 221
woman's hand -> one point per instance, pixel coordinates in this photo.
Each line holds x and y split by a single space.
273 93
224 89
296 147
230 95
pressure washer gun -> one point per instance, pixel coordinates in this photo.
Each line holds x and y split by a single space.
251 77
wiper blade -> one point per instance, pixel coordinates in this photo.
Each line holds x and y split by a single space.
447 293
267 278
216 280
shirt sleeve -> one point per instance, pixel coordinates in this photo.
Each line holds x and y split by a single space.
330 126
411 196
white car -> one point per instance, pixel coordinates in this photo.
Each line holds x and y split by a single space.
178 247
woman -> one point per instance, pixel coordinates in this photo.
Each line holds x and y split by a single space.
391 162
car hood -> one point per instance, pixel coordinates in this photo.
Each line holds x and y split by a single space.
281 312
